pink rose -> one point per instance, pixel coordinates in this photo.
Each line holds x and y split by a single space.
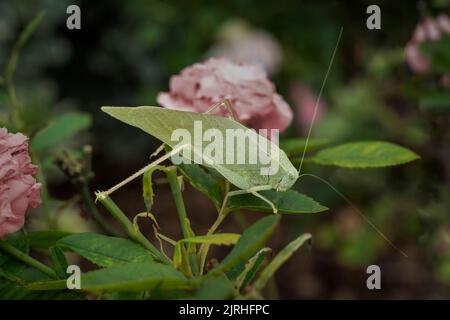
18 188
430 30
253 97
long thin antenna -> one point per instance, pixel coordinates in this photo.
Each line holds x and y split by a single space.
318 99
355 208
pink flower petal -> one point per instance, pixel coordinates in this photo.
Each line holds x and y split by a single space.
415 59
253 96
18 188
432 30
443 22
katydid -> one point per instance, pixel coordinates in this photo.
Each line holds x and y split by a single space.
161 123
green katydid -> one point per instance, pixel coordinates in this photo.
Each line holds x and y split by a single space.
161 123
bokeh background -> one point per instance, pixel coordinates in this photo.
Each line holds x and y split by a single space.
126 52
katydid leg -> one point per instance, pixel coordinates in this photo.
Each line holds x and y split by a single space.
223 103
204 248
144 169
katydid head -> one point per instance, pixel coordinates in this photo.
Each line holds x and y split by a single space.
287 181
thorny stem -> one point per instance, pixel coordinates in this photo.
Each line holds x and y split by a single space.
136 235
16 253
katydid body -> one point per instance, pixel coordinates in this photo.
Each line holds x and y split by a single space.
161 123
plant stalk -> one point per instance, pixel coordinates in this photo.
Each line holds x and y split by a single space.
171 173
87 199
172 176
16 253
136 235
204 248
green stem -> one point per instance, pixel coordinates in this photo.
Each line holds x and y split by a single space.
203 252
87 199
171 173
12 64
172 176
16 253
13 113
136 235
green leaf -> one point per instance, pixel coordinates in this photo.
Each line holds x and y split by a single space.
11 291
60 129
9 263
47 285
252 240
147 187
216 239
45 239
125 277
279 260
289 202
15 281
59 262
180 257
132 277
11 277
295 146
251 268
438 101
215 288
369 154
203 182
105 251
125 295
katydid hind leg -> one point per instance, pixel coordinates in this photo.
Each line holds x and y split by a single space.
256 194
223 213
253 190
143 170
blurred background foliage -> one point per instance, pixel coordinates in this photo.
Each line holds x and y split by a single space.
126 52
